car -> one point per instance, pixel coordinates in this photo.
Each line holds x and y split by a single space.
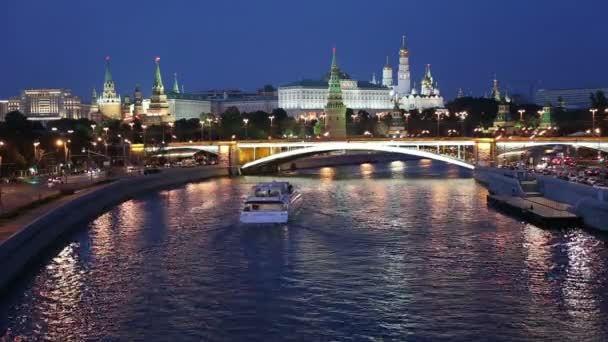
51 182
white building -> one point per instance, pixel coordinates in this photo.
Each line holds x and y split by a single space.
46 104
310 96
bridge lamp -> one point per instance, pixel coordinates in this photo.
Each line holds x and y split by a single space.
593 111
54 129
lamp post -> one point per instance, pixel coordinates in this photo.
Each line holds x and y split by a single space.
270 131
246 121
438 113
143 129
209 129
171 130
1 145
36 143
593 111
407 122
521 114
463 115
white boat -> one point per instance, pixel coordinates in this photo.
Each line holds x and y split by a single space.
271 202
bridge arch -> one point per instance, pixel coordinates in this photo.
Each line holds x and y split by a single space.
353 146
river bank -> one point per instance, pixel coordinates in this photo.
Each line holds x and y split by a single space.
40 228
589 203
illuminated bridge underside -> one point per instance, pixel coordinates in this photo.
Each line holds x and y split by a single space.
353 146
508 146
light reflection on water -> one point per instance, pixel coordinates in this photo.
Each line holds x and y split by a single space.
384 251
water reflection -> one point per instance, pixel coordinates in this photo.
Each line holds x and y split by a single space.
378 252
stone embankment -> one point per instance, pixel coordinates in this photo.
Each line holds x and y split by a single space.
30 239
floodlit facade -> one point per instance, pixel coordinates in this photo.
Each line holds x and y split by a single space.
46 104
310 96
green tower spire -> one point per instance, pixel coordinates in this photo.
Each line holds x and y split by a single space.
158 80
175 84
108 77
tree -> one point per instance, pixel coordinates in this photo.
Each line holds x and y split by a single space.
598 100
318 128
232 122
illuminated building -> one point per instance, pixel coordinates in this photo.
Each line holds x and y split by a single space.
109 102
3 109
46 104
158 111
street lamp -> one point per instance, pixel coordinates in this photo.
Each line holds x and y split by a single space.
521 114
1 145
36 143
61 143
593 111
246 121
209 124
271 118
143 128
462 115
438 113
170 129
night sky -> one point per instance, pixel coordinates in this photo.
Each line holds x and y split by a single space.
246 44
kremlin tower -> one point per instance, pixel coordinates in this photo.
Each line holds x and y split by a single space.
404 84
109 102
335 111
158 111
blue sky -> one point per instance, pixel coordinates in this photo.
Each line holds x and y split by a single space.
246 44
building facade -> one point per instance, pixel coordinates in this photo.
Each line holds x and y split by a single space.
3 109
574 98
46 104
310 96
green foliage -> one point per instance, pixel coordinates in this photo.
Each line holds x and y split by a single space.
318 128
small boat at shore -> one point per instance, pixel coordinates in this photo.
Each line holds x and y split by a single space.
271 202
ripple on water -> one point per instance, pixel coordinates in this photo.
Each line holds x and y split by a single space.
382 253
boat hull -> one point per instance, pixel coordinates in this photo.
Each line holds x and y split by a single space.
265 217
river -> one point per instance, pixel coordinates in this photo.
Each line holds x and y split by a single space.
396 251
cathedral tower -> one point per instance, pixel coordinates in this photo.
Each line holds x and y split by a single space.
109 102
428 84
496 91
335 111
404 83
387 75
175 84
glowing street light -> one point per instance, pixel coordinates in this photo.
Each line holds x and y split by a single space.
270 133
462 115
521 114
593 111
438 113
246 121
